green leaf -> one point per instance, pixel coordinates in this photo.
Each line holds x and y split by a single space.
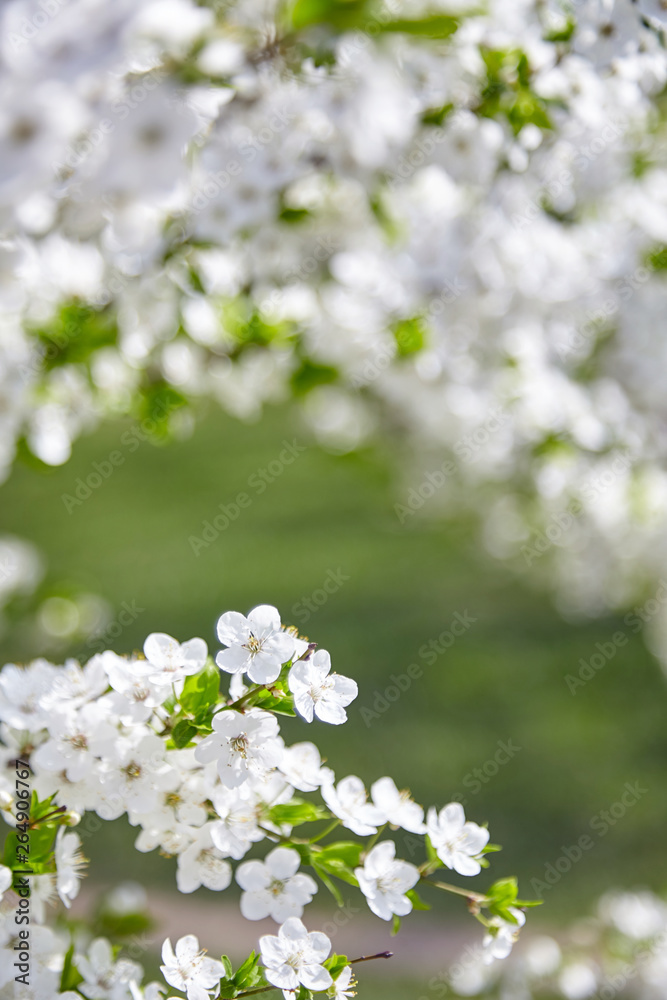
333 889
435 26
417 902
342 14
70 976
410 336
335 964
182 733
248 975
345 850
334 866
229 971
310 375
431 852
396 925
201 691
227 990
296 812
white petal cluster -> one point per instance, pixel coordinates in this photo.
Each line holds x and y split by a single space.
204 776
469 228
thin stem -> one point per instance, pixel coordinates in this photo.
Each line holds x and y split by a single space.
332 826
239 703
369 958
373 839
468 893
48 816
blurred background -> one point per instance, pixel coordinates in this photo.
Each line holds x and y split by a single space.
493 720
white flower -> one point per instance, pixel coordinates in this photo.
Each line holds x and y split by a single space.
302 766
294 957
384 881
237 828
135 776
77 738
74 685
188 969
257 644
501 936
397 807
343 985
134 695
202 864
105 978
349 803
42 891
6 878
317 691
456 842
22 691
173 661
242 744
274 887
69 862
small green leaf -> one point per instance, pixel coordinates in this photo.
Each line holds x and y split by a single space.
344 850
396 925
201 691
182 733
297 812
335 964
70 976
229 971
227 990
417 902
333 889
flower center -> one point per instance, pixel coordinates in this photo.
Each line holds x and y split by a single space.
79 742
276 887
253 644
239 744
133 770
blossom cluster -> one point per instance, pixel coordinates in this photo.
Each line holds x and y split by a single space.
447 219
619 951
205 776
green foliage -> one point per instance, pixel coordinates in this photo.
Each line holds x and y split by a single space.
181 735
155 405
508 91
657 259
70 977
201 691
296 812
502 895
310 375
74 334
41 832
335 964
344 15
346 851
410 336
416 900
246 325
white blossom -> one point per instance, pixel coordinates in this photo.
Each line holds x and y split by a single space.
242 744
187 968
458 843
294 956
275 887
385 881
256 645
318 691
